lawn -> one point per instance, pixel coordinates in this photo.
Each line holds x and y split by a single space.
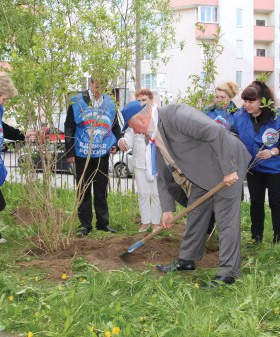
91 297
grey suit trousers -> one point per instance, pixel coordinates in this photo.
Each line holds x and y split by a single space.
227 215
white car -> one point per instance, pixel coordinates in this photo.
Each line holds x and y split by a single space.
121 164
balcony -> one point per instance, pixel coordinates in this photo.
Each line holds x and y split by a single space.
263 34
193 3
262 6
210 30
263 63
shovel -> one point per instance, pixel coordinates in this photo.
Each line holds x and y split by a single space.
196 203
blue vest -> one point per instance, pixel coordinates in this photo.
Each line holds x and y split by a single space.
268 135
96 121
221 116
3 170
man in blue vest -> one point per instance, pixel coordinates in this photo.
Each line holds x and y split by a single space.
91 134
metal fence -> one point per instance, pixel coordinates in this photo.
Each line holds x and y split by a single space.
62 176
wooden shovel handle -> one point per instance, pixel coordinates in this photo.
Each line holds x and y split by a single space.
196 203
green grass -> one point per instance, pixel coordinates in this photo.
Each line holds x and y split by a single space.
139 303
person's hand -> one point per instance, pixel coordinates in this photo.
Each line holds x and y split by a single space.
4 66
122 144
167 216
31 136
266 154
70 160
113 150
231 179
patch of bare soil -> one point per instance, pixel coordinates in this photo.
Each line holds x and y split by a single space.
104 254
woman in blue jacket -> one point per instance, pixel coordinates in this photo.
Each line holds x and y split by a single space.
223 109
258 125
222 112
7 90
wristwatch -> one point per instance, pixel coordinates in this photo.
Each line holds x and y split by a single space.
273 154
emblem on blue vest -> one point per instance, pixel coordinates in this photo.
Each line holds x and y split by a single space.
93 126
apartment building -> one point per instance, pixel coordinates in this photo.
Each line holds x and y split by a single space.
250 37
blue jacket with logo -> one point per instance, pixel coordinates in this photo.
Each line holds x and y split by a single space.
267 137
98 121
222 116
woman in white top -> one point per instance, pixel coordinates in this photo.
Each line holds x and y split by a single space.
148 198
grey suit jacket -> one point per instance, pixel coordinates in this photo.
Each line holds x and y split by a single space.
203 150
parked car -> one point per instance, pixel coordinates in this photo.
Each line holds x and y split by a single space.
51 140
58 158
52 134
121 164
10 145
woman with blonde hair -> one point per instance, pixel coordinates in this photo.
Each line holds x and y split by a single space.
8 90
223 109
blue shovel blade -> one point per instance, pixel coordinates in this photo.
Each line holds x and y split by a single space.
136 245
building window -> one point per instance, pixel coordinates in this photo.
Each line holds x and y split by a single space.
153 81
208 14
202 78
260 22
149 81
148 57
239 17
239 79
261 52
239 49
161 80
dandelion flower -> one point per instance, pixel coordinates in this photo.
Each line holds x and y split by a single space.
11 298
92 328
30 334
64 276
116 330
196 285
141 319
276 311
107 333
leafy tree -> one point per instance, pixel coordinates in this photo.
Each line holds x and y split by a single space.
51 44
198 94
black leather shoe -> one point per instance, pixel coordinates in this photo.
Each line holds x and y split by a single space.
106 229
83 231
221 280
177 265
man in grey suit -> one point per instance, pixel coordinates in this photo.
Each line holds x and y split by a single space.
191 143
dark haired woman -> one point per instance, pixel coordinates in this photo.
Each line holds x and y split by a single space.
258 125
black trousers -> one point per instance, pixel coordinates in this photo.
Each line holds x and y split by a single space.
2 202
96 177
257 184
2 205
